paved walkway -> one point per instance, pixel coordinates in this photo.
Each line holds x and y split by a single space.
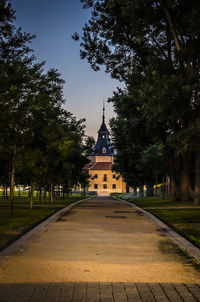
103 250
100 292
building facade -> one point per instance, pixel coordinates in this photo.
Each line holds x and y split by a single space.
103 180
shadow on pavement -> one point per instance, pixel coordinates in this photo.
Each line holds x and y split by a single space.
100 292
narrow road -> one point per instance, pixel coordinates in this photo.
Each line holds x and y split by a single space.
100 240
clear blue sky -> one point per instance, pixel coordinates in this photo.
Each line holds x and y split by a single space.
54 22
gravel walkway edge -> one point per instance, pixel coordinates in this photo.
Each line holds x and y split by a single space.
7 254
185 245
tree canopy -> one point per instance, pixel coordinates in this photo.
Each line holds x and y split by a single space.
153 47
41 143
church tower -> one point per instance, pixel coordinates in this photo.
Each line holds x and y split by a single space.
103 146
102 179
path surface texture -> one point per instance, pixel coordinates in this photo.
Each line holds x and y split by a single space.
102 250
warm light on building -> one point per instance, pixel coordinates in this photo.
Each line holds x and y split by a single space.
102 179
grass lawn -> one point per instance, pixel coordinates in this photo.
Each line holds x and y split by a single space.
148 202
25 218
183 217
184 221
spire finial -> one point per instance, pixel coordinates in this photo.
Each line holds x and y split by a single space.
103 118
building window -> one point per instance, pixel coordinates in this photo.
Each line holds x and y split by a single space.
114 175
105 186
95 186
114 186
103 150
95 175
105 177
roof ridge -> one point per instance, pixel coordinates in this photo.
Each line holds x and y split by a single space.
92 166
101 166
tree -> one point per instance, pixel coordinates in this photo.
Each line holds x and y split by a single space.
14 60
153 47
40 142
140 156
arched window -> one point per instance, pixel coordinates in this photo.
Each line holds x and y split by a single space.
103 150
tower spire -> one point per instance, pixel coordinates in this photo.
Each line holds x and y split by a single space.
103 117
103 146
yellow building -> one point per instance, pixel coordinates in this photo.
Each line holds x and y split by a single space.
102 179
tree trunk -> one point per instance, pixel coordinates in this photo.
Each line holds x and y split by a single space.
6 191
61 192
19 192
171 26
29 191
172 172
45 193
40 195
197 178
127 189
135 191
51 193
156 188
83 190
31 195
168 186
163 188
149 190
12 189
185 180
141 191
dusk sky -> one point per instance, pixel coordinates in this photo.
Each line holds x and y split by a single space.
54 22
